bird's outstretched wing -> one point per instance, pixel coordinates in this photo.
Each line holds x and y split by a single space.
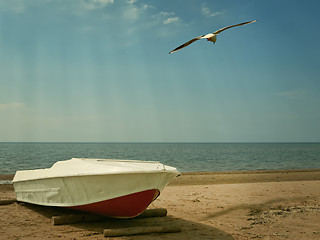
186 44
209 35
225 28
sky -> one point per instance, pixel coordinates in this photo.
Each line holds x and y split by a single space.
99 71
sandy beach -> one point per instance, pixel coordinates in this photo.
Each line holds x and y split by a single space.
207 205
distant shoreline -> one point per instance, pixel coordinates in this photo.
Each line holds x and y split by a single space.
177 142
225 177
255 176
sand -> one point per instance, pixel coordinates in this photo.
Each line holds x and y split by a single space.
229 205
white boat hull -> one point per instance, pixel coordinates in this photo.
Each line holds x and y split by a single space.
98 193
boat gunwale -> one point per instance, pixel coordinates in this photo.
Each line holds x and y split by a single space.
171 171
46 173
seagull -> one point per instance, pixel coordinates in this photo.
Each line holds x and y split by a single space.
210 36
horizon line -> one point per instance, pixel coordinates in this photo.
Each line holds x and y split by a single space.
217 142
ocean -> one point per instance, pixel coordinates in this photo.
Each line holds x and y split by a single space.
186 157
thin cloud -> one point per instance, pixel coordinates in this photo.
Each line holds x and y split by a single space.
167 17
16 6
292 93
12 106
73 6
165 23
96 4
171 20
134 12
206 12
131 1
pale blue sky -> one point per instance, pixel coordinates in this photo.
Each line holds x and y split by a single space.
99 70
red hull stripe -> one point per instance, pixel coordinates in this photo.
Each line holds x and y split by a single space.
125 206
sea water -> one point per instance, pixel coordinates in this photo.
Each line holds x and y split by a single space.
186 157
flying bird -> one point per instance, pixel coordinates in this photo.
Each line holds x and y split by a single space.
210 36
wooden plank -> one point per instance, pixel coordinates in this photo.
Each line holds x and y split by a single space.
118 232
7 201
77 218
156 212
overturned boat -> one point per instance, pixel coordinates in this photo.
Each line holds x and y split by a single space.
109 187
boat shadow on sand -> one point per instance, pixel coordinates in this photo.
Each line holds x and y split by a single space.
94 230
